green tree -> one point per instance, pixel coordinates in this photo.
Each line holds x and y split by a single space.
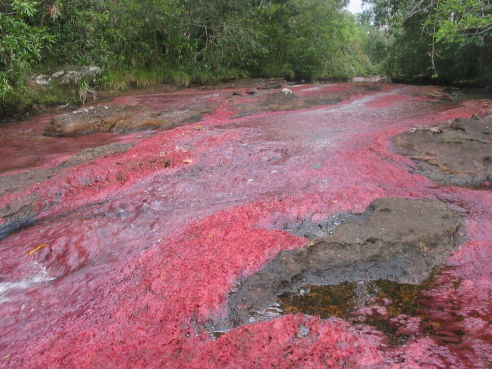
449 39
21 43
81 31
137 42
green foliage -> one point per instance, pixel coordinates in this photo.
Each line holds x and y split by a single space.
374 42
309 39
19 101
138 43
448 39
461 21
81 31
21 43
83 91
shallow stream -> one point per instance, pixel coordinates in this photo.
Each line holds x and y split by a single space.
130 256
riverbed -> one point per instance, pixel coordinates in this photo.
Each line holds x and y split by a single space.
121 249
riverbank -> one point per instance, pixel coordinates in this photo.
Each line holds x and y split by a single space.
55 99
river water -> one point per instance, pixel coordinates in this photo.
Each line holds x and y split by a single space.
132 255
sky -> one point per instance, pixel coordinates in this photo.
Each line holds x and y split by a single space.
355 6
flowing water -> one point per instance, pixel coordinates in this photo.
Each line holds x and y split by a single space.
131 255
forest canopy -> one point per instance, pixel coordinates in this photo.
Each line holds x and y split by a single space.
449 40
181 40
142 42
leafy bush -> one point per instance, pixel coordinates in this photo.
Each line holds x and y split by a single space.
445 39
138 43
21 43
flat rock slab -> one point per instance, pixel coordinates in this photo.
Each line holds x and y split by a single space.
121 118
21 212
281 101
457 153
94 153
18 213
395 239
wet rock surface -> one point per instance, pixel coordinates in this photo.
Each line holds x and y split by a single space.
395 240
133 256
396 309
20 212
278 101
286 99
457 153
312 230
96 152
121 118
20 181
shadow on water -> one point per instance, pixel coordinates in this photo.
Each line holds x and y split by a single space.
468 93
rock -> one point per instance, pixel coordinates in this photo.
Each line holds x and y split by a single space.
275 101
58 74
73 77
457 153
279 101
121 118
271 84
42 80
395 239
102 118
18 214
252 92
287 91
371 79
93 153
21 212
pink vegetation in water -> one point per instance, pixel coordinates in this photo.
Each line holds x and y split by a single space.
143 247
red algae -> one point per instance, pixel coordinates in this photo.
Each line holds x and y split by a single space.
23 146
145 245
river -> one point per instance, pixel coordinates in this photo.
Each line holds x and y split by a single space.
123 260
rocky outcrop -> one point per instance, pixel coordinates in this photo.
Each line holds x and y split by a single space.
121 118
286 99
42 79
68 77
21 212
457 153
75 76
395 239
17 214
283 101
95 152
372 79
